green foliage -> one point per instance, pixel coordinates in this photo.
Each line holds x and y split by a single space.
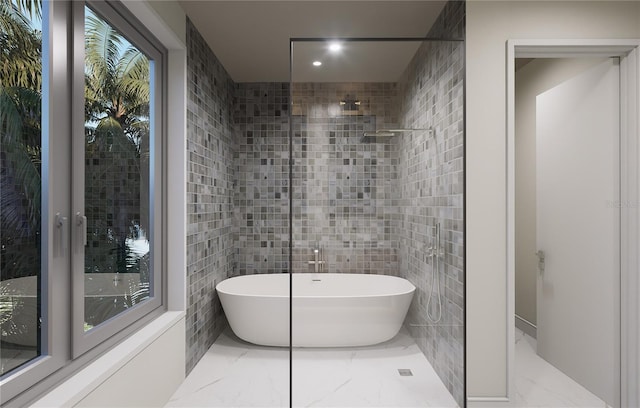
27 7
20 49
117 96
20 129
116 80
117 128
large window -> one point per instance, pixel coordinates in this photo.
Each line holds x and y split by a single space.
20 180
82 185
116 168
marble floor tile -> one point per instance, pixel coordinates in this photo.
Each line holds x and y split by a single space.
238 374
539 384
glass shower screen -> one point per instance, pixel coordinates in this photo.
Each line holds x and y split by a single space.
376 130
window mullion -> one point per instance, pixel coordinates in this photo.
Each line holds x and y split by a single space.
77 180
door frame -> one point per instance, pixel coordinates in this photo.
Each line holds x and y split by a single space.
628 50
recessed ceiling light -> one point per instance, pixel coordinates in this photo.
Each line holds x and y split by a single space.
317 63
335 46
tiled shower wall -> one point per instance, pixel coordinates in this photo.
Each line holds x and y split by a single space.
344 201
261 162
431 177
209 193
343 198
370 206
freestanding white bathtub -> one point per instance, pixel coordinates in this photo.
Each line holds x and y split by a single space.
329 309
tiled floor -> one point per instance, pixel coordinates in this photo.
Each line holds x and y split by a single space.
237 374
539 384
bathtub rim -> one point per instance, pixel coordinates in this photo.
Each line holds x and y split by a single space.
286 296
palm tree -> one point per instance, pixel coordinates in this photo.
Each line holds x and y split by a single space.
116 121
20 113
117 128
117 82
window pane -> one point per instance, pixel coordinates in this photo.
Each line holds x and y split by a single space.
20 183
117 194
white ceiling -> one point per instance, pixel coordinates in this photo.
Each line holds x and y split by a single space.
357 61
251 38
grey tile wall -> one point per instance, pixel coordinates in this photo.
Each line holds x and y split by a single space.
343 188
209 193
431 176
114 201
450 24
261 162
370 206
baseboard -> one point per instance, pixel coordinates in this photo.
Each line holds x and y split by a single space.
488 402
527 327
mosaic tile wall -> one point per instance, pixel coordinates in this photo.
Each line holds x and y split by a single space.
344 201
342 187
261 162
116 198
210 134
431 177
370 206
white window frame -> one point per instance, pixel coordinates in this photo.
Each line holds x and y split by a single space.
116 16
64 350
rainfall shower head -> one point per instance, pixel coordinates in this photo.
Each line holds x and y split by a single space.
385 135
379 136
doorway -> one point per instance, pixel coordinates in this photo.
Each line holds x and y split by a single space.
627 51
567 286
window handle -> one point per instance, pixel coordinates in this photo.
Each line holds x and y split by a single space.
81 221
62 233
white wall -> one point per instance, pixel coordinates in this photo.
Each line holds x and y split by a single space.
533 79
526 261
172 17
148 379
143 370
489 25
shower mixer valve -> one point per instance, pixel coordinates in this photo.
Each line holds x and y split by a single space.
436 249
318 262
